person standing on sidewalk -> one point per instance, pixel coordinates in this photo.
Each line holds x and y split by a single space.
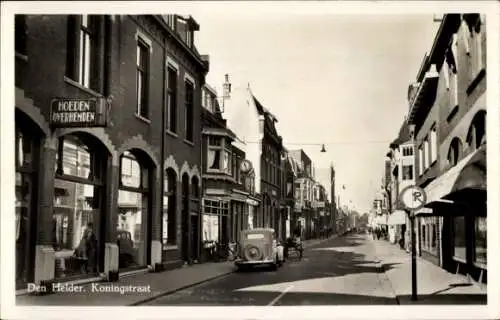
87 249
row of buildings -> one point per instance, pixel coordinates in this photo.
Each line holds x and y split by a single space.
117 132
441 148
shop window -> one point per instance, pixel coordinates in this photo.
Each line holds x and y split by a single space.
169 226
480 238
454 152
215 213
84 47
133 210
433 237
171 98
20 34
78 190
142 78
424 237
459 238
25 173
189 109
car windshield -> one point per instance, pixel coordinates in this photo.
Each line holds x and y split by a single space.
253 236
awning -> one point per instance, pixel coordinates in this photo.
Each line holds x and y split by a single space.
397 217
468 173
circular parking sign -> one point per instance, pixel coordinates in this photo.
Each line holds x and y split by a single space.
413 197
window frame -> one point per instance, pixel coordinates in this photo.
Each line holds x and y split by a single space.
223 147
172 97
420 161
433 145
411 174
144 46
76 51
189 105
170 192
426 153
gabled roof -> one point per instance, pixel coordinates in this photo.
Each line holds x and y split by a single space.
403 135
269 118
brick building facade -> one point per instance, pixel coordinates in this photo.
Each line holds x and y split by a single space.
448 114
100 187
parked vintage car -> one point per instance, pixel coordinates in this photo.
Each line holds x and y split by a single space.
259 247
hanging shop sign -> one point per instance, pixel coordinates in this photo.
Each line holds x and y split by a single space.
69 112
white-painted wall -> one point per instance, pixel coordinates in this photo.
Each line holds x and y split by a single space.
243 119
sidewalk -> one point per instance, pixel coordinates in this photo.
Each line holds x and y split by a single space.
434 284
155 285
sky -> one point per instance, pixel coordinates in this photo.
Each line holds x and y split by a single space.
340 80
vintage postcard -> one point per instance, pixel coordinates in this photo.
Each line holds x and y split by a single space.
325 155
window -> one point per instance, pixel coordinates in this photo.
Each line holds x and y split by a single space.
83 38
189 38
408 172
424 237
420 161
426 154
25 144
171 99
215 215
142 79
188 108
20 34
289 190
459 243
133 210
434 146
407 151
219 155
170 19
477 131
454 152
480 240
453 85
475 42
77 202
169 210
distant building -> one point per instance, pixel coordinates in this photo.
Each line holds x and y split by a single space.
255 126
401 155
304 191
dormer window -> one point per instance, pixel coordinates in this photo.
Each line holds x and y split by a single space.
184 30
170 19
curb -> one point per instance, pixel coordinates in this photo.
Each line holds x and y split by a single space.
166 293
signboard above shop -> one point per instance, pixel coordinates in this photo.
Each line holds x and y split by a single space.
70 112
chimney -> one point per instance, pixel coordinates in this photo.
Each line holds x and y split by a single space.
226 87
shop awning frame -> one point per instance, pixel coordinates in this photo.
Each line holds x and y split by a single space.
468 174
